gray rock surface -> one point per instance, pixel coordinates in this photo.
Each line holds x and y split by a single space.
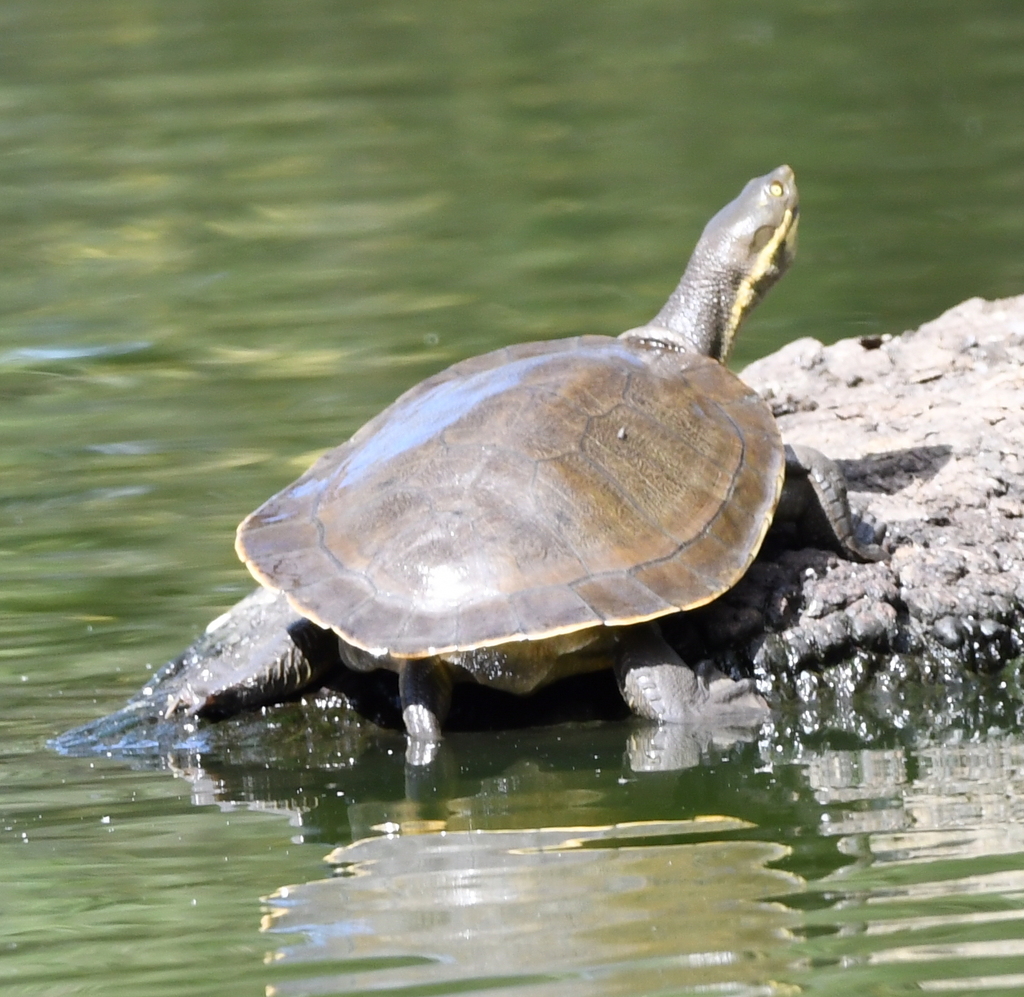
929 429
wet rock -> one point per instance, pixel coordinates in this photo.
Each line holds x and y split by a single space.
948 632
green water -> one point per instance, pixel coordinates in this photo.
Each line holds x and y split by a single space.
230 233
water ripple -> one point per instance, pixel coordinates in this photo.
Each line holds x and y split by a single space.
25 355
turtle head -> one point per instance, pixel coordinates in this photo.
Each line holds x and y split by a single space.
742 252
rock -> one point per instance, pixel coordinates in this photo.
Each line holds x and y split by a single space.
929 429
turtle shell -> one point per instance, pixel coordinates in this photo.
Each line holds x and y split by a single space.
529 492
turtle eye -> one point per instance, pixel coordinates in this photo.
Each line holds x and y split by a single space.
776 189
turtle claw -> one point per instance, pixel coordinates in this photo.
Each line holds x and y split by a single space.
868 534
729 698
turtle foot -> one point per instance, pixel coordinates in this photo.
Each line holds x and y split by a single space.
815 496
671 693
868 534
657 684
425 688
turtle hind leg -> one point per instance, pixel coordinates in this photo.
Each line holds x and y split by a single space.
814 496
425 690
657 684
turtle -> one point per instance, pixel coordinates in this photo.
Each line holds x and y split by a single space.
531 513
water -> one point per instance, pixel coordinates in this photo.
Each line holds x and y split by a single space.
230 234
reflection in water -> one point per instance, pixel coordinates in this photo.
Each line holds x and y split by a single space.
846 871
338 780
624 909
935 893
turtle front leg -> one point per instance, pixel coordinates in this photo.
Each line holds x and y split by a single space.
657 684
425 689
814 495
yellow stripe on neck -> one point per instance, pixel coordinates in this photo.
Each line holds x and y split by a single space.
745 292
